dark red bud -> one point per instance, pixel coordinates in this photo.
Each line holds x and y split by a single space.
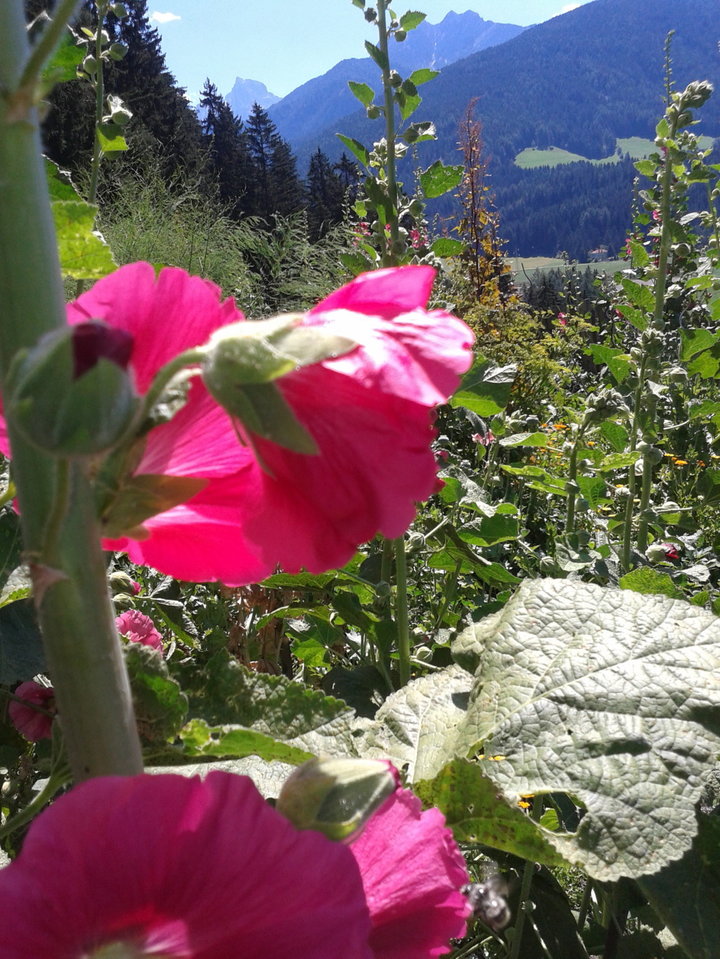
93 341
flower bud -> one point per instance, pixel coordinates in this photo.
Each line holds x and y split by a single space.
119 9
117 51
90 65
71 394
336 796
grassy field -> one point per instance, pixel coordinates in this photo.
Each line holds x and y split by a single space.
637 147
528 266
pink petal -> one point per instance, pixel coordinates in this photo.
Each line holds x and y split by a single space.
412 872
384 293
183 868
138 628
166 314
30 723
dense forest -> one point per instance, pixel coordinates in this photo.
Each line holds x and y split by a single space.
248 168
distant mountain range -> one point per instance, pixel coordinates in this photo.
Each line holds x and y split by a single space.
315 105
245 93
577 82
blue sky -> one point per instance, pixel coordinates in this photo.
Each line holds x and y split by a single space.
284 43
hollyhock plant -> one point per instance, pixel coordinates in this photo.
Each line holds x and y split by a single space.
251 506
158 866
33 723
138 628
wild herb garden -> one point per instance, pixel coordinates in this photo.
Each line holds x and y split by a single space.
399 580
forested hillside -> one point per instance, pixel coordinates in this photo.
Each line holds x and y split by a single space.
577 82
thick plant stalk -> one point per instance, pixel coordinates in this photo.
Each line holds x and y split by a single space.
60 529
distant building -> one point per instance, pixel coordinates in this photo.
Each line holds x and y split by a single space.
601 253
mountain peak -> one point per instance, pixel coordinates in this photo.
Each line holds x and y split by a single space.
245 93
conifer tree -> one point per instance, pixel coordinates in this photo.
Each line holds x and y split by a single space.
325 195
227 152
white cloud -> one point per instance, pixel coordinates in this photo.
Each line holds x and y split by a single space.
157 17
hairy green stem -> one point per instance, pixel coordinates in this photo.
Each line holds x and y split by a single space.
401 611
83 651
99 102
571 488
44 48
389 254
634 429
55 782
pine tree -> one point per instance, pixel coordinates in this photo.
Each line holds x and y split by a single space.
285 187
325 195
227 152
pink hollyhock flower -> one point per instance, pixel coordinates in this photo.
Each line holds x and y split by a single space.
28 721
180 868
671 551
485 439
138 628
368 412
412 871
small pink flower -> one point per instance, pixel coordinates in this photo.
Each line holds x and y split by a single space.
138 628
28 721
183 868
412 871
670 551
135 586
562 319
485 439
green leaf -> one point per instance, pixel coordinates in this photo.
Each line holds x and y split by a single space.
410 20
650 582
63 65
408 103
447 246
160 705
356 148
378 56
418 77
84 255
476 813
617 461
639 295
363 92
634 316
694 342
616 361
535 477
609 696
438 179
110 139
276 707
60 185
616 435
592 488
489 530
485 388
524 439
21 649
686 894
417 726
200 739
639 254
646 167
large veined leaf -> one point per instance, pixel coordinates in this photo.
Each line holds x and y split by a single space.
417 726
605 694
686 894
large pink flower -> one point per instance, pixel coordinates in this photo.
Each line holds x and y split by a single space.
179 868
192 869
412 871
368 412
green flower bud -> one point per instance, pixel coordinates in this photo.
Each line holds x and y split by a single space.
395 79
400 35
90 65
373 112
117 51
71 394
336 796
119 9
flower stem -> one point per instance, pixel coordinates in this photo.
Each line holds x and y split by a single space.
389 254
54 783
44 49
401 611
76 617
